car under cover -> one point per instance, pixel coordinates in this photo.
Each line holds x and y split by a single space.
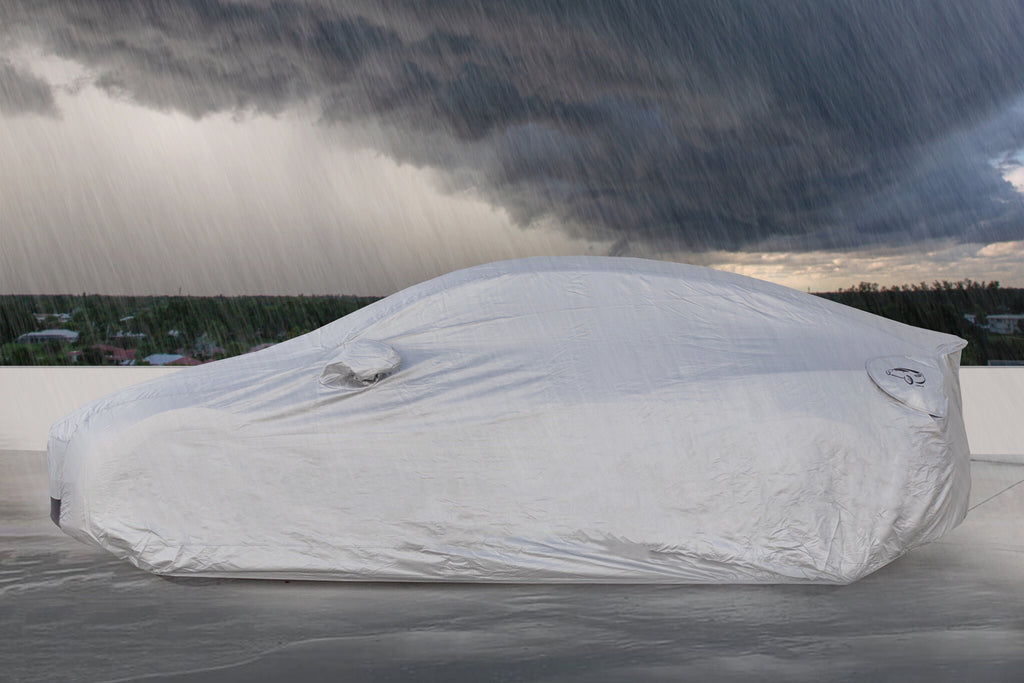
576 419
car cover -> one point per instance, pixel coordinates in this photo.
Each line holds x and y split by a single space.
540 420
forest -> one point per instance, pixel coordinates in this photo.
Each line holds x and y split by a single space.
943 306
128 330
203 328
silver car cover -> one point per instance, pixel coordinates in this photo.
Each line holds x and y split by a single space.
540 420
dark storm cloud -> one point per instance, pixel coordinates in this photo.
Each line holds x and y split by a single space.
23 93
693 125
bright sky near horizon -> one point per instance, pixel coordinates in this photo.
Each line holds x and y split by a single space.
249 147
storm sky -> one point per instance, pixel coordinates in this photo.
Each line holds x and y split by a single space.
307 147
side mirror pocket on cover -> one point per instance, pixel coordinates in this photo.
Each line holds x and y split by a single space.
359 364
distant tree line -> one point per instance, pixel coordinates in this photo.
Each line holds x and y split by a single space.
220 326
941 306
162 324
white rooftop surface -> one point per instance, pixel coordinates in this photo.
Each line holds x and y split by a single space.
952 610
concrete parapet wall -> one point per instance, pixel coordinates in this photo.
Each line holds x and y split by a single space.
994 411
33 398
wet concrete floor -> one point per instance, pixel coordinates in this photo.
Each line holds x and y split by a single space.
953 610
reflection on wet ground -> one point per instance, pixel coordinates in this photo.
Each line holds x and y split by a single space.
953 610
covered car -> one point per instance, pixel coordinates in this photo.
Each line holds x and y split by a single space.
540 420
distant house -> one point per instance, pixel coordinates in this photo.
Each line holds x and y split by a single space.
121 335
1005 323
116 355
68 336
171 359
162 358
60 317
206 353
